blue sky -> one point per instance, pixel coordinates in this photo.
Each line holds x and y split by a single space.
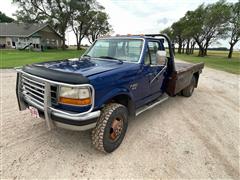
138 16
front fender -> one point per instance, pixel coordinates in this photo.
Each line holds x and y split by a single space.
115 92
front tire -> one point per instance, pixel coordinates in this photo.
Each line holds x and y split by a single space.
110 128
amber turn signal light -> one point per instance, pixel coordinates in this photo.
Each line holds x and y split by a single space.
76 102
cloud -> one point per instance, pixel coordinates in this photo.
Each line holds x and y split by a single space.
142 16
140 8
162 21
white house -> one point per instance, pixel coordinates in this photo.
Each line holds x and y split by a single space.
25 36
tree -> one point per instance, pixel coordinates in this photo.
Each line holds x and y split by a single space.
169 32
189 32
89 21
55 12
185 31
99 26
5 19
177 32
211 24
82 18
178 28
207 24
234 26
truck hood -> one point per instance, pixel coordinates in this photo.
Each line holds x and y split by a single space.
85 66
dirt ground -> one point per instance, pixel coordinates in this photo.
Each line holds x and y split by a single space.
195 137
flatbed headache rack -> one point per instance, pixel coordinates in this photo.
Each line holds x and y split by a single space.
154 35
149 35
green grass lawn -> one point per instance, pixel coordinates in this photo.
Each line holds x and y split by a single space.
215 59
15 58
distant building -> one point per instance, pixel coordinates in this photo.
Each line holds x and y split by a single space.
25 36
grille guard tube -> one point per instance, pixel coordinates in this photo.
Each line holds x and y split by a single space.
47 100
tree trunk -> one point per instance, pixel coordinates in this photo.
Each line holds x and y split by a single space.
179 47
205 51
192 47
77 39
201 51
78 46
89 39
183 48
79 43
187 49
63 43
201 47
206 48
230 51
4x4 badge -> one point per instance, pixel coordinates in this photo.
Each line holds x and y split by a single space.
134 86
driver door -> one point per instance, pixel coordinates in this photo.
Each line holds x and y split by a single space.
154 70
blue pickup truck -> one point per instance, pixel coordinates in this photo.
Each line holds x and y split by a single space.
116 79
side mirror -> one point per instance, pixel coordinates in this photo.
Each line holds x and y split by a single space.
161 57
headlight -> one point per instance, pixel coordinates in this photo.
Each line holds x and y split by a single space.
75 96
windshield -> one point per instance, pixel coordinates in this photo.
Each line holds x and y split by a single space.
117 49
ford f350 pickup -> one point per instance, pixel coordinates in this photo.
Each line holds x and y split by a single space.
116 79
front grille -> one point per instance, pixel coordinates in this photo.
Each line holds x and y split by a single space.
34 90
54 95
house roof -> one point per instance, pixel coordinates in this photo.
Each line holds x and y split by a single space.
21 29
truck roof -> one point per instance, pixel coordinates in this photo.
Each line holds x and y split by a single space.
131 37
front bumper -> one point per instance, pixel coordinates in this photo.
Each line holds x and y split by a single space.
55 117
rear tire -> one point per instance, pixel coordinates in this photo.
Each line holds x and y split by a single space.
188 91
110 128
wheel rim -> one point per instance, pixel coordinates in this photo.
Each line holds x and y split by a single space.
116 128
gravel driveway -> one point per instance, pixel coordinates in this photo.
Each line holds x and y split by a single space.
196 137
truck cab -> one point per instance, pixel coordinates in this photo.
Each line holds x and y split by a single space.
116 79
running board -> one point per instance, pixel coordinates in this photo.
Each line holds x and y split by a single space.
161 99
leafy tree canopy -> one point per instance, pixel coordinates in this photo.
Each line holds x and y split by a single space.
79 14
207 24
5 18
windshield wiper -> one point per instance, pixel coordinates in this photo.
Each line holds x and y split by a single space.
86 55
109 57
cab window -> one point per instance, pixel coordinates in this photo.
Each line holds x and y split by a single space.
151 55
